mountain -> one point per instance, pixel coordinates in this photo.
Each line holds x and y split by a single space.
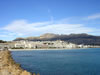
73 38
1 41
48 35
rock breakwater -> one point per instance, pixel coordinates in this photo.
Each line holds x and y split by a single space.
8 66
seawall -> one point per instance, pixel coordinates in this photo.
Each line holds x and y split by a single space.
8 66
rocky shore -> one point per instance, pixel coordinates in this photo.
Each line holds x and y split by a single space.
8 66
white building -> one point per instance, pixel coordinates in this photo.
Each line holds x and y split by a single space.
6 45
38 44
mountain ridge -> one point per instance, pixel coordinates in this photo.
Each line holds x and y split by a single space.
82 38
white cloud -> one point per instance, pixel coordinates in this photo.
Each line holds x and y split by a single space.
23 28
92 17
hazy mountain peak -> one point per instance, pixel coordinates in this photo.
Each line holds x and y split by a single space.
48 35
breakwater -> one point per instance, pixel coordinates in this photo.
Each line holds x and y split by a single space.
8 66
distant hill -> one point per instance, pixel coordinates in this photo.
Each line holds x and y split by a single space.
1 41
73 38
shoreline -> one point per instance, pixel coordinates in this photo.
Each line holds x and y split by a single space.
44 49
9 67
48 49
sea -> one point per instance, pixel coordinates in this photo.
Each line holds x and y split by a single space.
60 62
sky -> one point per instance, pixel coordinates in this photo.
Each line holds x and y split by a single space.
25 18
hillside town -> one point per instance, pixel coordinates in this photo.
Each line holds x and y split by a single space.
41 45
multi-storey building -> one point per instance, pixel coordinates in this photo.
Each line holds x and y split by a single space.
38 44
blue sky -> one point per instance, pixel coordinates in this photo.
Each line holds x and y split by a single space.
23 18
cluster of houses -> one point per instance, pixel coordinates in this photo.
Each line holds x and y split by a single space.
37 44
40 45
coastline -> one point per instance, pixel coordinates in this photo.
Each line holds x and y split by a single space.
9 67
44 49
49 49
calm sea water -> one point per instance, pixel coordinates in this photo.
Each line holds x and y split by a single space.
60 62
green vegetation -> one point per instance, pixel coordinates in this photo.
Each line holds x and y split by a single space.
17 48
